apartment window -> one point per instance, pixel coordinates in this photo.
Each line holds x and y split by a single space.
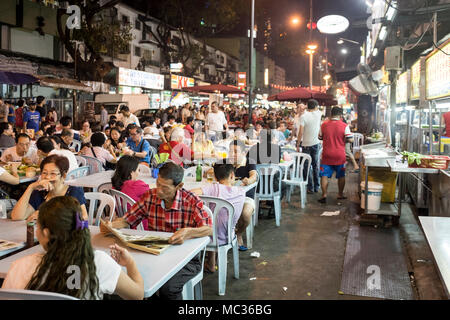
125 19
147 54
137 51
206 71
137 24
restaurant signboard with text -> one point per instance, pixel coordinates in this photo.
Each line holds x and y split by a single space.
178 82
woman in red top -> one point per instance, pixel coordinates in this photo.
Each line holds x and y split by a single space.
125 180
177 150
19 114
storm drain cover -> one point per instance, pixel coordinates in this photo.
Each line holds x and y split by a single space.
374 265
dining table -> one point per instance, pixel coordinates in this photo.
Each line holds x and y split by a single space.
13 231
95 180
155 270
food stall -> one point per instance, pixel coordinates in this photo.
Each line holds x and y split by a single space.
438 97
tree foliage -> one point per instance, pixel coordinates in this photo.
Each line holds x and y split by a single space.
100 33
187 18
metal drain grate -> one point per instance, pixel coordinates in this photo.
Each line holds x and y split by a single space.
374 265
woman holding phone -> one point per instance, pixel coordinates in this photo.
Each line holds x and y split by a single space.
51 184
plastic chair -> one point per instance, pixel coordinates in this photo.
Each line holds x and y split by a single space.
32 295
190 172
192 290
231 241
105 187
122 202
153 151
249 231
144 170
78 173
95 165
266 189
358 141
81 161
96 212
296 179
76 145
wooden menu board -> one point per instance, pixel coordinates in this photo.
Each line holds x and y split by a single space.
438 73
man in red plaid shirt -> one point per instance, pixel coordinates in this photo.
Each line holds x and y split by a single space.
170 208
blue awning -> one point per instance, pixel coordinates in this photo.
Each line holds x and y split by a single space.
16 78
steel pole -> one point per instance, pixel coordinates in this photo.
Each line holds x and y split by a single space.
250 62
310 70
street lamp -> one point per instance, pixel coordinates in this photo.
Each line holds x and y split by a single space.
295 21
310 51
344 51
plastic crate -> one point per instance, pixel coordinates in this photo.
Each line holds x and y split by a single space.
432 162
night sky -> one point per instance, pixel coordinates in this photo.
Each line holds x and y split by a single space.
289 50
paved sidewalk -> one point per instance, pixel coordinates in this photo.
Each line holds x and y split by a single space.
303 258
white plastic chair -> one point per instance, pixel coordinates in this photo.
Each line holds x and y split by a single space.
231 241
250 230
192 171
122 202
296 178
358 141
78 173
192 290
76 145
96 212
266 189
95 165
144 170
10 294
81 161
105 187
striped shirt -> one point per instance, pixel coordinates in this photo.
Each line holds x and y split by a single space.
186 212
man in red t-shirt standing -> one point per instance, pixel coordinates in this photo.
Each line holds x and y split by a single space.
334 134
447 124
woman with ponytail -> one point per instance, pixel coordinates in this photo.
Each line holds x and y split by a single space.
66 240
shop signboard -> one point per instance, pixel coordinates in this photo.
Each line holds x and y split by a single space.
415 80
178 82
438 73
176 67
142 79
242 79
402 88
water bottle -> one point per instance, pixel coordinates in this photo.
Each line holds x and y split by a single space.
198 173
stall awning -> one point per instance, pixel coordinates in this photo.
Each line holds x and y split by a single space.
16 78
16 65
63 83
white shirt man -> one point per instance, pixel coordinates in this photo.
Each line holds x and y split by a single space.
130 119
216 120
73 164
10 154
310 121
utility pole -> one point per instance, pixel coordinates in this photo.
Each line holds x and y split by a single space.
250 62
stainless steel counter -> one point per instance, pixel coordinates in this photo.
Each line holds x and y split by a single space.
437 232
403 167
